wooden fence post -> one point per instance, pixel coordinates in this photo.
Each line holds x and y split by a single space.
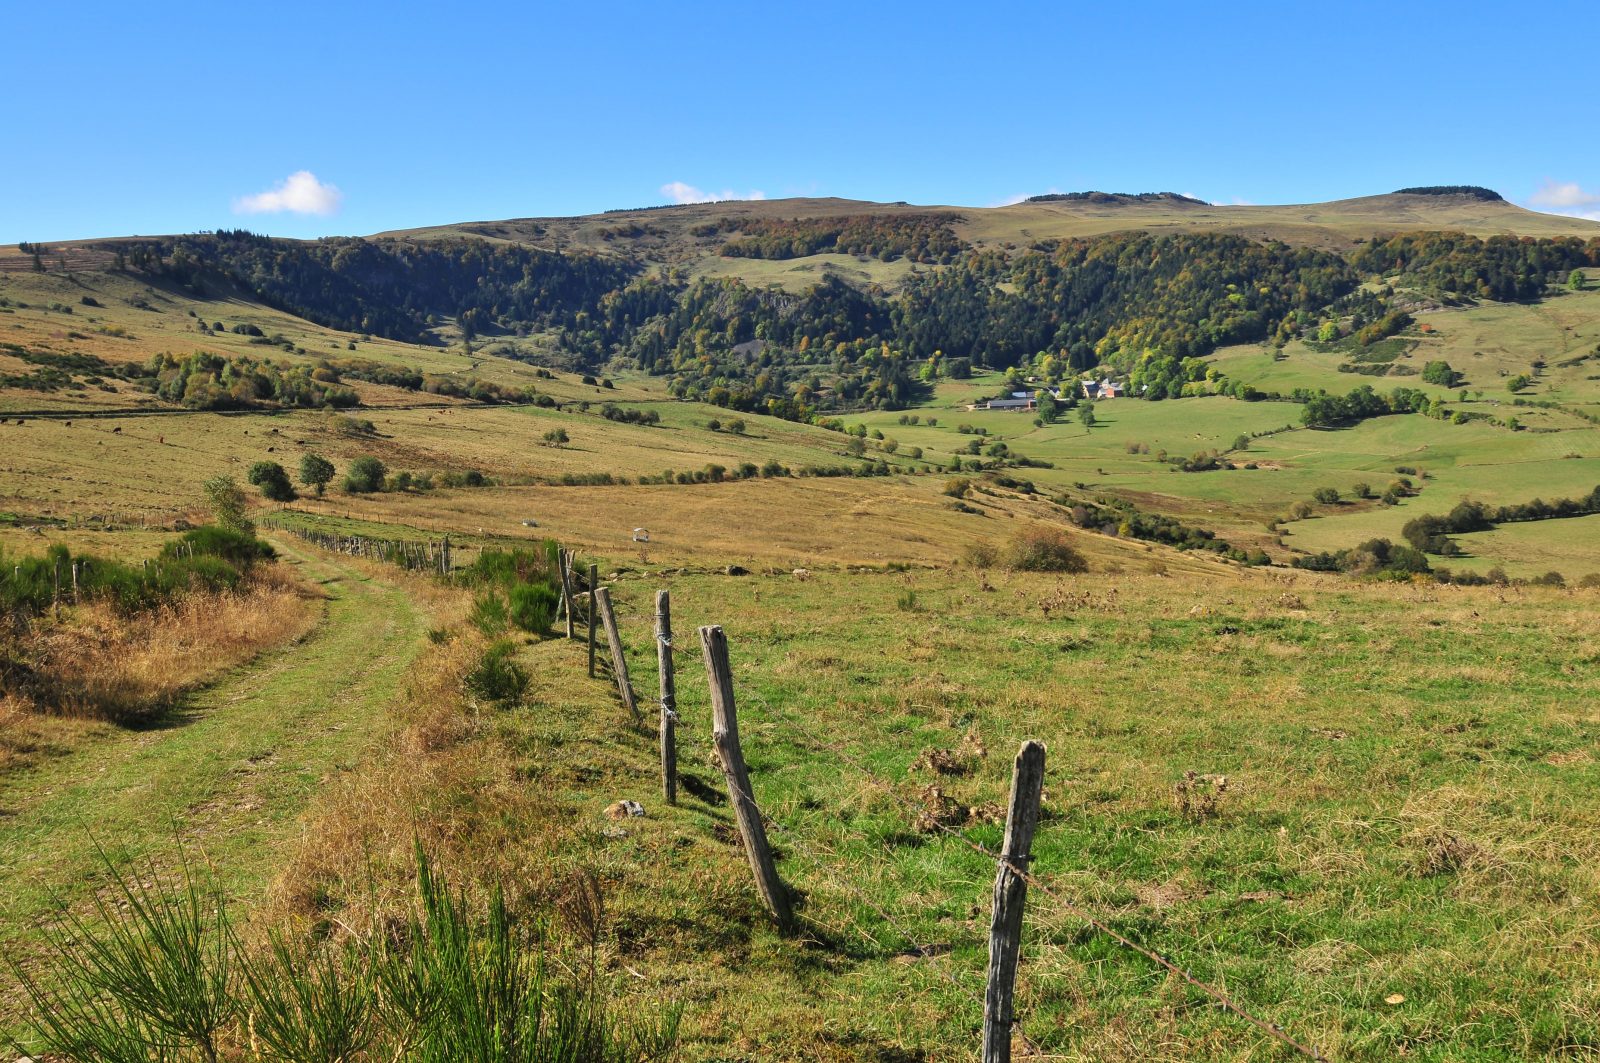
76 599
1010 891
564 560
594 582
725 736
619 663
669 698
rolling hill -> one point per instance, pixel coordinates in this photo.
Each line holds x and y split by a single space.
1344 780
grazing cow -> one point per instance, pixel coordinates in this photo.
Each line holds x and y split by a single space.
69 424
271 449
117 431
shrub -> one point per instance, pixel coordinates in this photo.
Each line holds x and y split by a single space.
1045 550
981 555
490 614
365 475
213 540
497 677
1327 496
958 488
273 481
533 607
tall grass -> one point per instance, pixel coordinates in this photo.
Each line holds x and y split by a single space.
158 972
104 662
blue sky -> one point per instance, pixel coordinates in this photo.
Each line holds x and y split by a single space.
307 119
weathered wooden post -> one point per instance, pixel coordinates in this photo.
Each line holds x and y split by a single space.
594 581
76 600
725 736
669 698
1010 891
619 663
564 560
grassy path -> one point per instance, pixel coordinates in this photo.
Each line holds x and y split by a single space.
229 772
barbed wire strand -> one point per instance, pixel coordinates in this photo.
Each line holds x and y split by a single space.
912 939
1268 1027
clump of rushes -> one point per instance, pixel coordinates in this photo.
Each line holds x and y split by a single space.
158 972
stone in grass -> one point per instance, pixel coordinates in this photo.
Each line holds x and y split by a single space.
624 809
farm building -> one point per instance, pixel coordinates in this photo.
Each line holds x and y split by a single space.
1104 389
1015 400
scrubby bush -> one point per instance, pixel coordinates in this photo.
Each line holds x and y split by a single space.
497 677
1044 550
981 555
533 606
365 475
490 614
237 548
273 481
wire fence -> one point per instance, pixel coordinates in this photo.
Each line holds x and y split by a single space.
414 554
829 863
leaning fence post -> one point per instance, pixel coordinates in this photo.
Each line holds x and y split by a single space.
594 581
669 698
564 562
725 736
1010 891
619 663
76 600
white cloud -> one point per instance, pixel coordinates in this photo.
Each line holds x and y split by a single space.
299 193
1011 201
1567 197
680 192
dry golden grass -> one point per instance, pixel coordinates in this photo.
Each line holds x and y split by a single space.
444 780
99 665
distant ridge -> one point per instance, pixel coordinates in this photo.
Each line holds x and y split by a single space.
1488 195
1112 198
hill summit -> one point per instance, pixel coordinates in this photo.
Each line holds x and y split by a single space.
1116 198
1488 195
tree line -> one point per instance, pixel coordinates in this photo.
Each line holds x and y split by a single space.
925 238
1147 306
